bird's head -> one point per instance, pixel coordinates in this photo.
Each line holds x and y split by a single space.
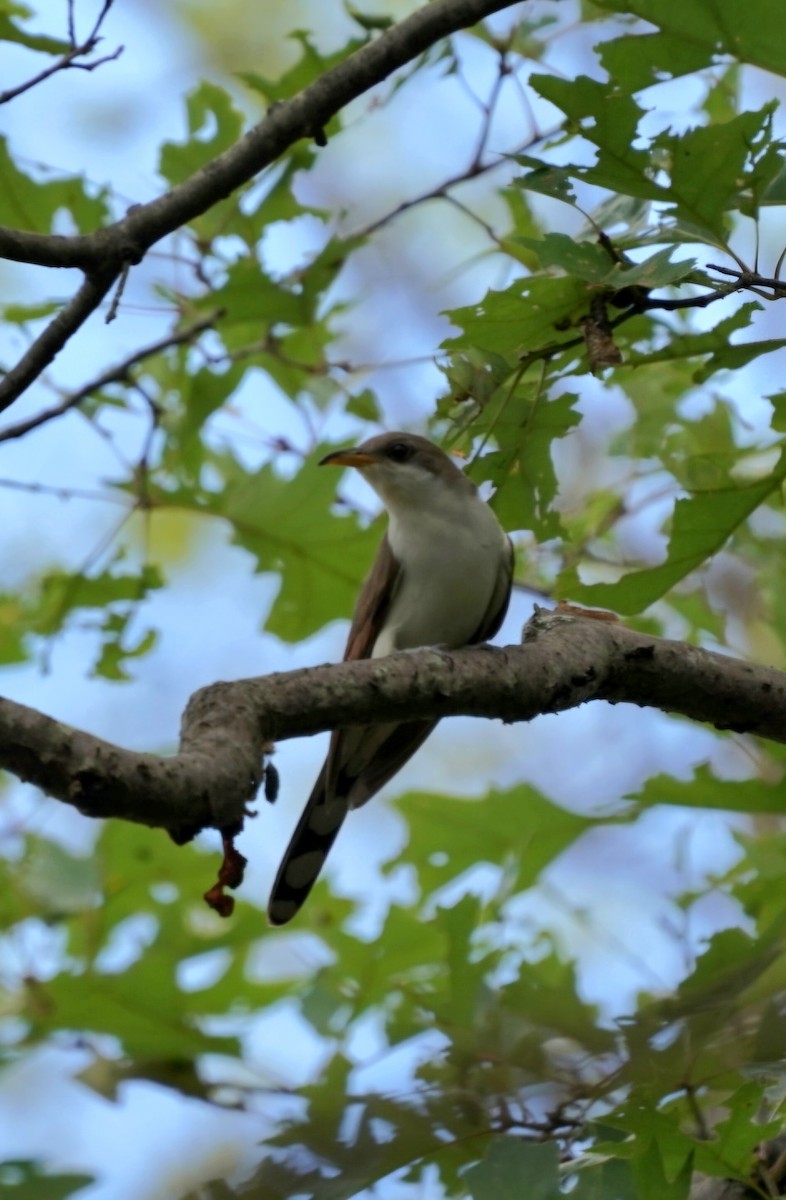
402 468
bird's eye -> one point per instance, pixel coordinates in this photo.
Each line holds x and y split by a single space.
399 451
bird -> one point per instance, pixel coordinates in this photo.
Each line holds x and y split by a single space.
441 577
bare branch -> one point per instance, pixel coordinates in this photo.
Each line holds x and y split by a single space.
70 59
283 125
116 374
751 279
565 660
105 254
42 351
49 249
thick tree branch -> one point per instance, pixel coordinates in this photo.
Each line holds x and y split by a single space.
104 254
227 728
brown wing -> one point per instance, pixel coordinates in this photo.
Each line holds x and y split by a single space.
386 748
373 602
498 604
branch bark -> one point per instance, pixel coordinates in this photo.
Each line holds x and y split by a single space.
565 660
104 254
50 342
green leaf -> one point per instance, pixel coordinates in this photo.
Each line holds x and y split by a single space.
711 169
22 1179
522 471
114 595
741 1132
142 1007
359 1138
715 343
654 272
14 628
252 302
33 203
137 872
287 526
609 119
376 973
19 314
591 262
364 405
10 31
664 1170
751 33
659 1152
519 829
708 169
609 1180
117 648
310 66
464 995
733 963
59 882
545 179
705 790
636 61
701 525
510 1166
586 260
545 997
530 315
214 124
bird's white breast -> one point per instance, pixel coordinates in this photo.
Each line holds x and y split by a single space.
451 552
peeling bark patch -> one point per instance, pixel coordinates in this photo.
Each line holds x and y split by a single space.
640 653
588 676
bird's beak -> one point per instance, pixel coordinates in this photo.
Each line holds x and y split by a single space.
347 458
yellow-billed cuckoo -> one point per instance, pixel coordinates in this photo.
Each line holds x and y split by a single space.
441 577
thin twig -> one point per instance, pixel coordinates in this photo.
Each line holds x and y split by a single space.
63 493
69 59
119 289
503 70
115 374
752 279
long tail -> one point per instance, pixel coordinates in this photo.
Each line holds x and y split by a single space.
306 853
360 761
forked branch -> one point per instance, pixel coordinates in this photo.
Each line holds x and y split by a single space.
564 661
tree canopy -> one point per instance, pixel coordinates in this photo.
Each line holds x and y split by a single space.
549 235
